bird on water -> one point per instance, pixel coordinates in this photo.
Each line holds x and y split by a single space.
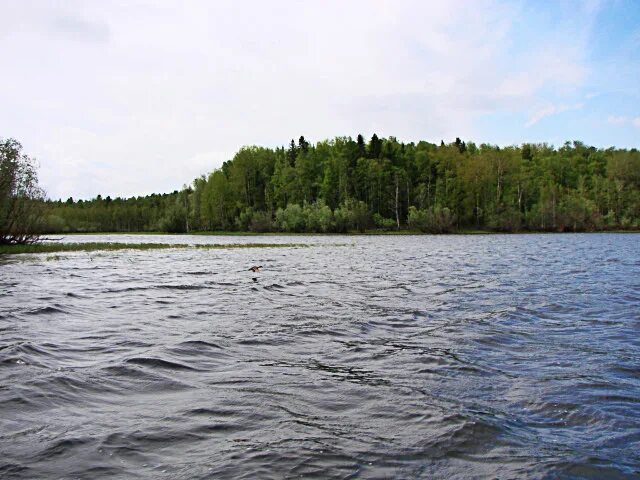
255 269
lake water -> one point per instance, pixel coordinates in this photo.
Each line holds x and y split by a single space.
358 357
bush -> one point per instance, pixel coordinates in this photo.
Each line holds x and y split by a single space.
261 222
431 220
244 219
505 220
610 219
318 217
54 224
384 223
352 215
174 220
290 219
577 214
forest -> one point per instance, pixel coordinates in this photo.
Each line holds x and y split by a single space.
347 185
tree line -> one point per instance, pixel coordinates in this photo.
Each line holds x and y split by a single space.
348 184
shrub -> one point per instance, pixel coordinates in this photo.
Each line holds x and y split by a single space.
174 220
261 222
432 220
384 223
577 214
244 219
318 217
352 215
505 220
290 219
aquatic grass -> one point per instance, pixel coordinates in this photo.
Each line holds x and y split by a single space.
108 246
254 245
82 247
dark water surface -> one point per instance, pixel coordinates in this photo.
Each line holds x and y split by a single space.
384 357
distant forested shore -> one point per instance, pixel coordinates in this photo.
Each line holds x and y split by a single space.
345 185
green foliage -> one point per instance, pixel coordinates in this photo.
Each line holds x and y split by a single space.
505 219
344 185
261 222
432 220
318 217
244 219
20 196
55 223
352 215
578 214
291 218
254 221
383 223
174 220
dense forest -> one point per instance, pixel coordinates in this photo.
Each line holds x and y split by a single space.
343 185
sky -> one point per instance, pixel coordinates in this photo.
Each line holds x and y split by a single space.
126 98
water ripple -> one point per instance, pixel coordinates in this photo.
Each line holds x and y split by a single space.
385 357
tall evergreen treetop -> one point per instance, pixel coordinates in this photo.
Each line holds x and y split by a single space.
375 147
292 153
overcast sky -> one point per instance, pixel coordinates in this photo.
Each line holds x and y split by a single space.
127 98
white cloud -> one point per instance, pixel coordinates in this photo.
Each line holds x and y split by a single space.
622 120
80 29
549 110
617 120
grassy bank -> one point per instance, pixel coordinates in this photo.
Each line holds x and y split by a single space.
223 233
104 246
372 231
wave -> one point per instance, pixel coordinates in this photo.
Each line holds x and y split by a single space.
75 295
200 344
181 287
63 447
407 357
159 363
48 310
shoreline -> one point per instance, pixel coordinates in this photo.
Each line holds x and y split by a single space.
221 233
